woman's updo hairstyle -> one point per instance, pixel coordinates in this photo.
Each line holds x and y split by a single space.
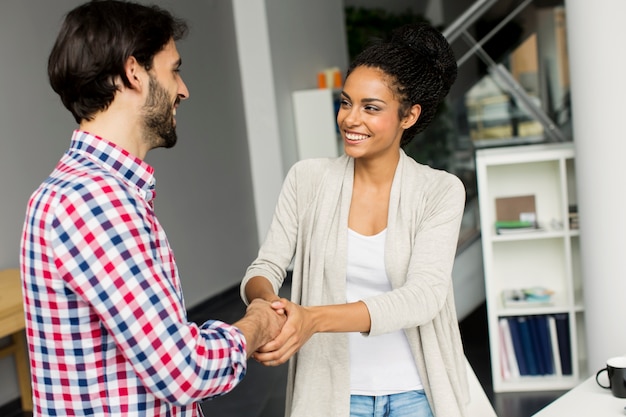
420 66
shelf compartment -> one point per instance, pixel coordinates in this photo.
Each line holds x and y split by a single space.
541 179
518 264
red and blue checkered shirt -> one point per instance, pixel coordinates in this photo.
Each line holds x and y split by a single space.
105 319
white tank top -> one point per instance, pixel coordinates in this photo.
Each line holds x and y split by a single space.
379 365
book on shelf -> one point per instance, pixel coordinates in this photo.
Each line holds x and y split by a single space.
535 345
510 366
518 349
535 342
505 358
527 345
542 344
573 216
516 214
546 343
506 227
563 336
554 344
527 297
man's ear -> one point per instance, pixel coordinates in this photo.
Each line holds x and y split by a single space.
412 116
134 72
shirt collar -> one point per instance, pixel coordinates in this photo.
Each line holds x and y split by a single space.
117 160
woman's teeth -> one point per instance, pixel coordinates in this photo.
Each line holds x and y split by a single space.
355 136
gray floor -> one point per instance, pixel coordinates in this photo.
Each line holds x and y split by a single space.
262 391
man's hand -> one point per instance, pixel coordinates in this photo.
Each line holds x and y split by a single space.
296 332
262 323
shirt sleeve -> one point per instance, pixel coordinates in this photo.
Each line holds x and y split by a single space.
110 250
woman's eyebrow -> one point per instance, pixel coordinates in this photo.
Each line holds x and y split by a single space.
365 100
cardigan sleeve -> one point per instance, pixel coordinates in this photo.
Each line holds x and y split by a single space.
420 265
277 251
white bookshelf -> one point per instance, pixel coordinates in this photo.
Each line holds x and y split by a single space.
548 257
315 123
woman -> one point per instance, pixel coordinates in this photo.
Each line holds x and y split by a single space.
373 236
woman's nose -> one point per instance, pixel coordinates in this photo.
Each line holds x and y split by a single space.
351 117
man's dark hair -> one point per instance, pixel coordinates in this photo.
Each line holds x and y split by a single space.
93 45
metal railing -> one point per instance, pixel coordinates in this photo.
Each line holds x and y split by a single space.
459 29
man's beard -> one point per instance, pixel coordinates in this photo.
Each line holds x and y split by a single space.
158 116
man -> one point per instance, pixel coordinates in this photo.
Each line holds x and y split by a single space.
106 323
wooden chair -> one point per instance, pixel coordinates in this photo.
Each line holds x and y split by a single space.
12 324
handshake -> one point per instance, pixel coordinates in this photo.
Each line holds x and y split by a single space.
275 330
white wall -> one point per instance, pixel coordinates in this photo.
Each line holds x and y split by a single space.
282 46
301 48
260 116
598 90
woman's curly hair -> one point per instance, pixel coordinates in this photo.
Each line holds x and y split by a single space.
420 66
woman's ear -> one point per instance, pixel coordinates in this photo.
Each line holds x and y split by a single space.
411 118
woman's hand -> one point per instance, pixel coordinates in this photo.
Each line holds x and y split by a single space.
304 322
296 331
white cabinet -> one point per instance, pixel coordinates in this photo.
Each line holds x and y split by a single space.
315 123
548 257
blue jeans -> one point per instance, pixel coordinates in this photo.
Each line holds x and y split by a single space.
405 404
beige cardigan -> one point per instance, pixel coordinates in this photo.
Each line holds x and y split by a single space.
310 225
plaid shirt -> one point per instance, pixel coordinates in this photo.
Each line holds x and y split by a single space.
105 318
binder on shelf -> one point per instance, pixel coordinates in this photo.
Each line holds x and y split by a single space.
545 348
538 344
535 340
563 336
527 345
518 348
554 344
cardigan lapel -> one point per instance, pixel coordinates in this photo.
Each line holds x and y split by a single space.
325 279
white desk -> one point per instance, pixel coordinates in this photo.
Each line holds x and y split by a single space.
585 400
479 405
